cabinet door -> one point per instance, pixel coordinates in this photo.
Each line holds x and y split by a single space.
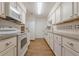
13 4
57 49
3 9
57 46
75 9
0 8
66 11
51 41
9 52
68 52
53 18
58 18
78 8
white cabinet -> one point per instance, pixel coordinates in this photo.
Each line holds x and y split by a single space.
58 14
51 40
67 12
57 45
70 47
57 49
78 8
75 9
9 52
15 11
53 18
8 47
11 11
66 51
2 9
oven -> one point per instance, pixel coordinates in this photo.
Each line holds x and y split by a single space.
22 44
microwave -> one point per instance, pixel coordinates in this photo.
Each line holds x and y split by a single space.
12 12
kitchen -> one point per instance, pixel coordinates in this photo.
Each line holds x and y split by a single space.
49 27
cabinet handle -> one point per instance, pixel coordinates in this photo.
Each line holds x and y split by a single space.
71 16
7 44
60 44
71 44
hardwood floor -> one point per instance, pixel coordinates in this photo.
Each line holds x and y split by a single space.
39 47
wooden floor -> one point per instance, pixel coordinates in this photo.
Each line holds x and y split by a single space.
39 47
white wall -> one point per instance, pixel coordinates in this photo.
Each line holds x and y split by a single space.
36 26
40 27
30 23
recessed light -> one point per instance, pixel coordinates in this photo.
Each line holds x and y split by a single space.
39 7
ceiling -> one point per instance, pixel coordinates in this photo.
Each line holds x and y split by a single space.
32 8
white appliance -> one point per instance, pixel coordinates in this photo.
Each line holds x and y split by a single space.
22 44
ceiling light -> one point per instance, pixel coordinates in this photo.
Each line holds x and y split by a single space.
39 7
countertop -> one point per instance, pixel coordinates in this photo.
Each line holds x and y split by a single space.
67 34
5 36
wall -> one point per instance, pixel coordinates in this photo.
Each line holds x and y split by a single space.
8 23
36 26
40 27
30 24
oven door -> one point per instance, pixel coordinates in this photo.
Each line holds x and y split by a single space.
22 45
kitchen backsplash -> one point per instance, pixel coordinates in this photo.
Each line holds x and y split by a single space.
5 23
69 27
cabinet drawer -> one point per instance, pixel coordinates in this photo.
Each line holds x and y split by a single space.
4 44
11 51
66 51
73 44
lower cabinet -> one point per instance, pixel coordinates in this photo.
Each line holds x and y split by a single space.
63 46
57 45
66 51
9 52
8 47
70 47
51 40
57 49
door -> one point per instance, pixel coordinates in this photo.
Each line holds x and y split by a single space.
66 11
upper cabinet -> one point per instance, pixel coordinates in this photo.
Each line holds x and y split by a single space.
12 11
2 9
75 9
15 11
64 11
58 14
67 11
53 18
78 8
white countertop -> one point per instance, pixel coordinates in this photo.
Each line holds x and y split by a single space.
8 35
67 34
